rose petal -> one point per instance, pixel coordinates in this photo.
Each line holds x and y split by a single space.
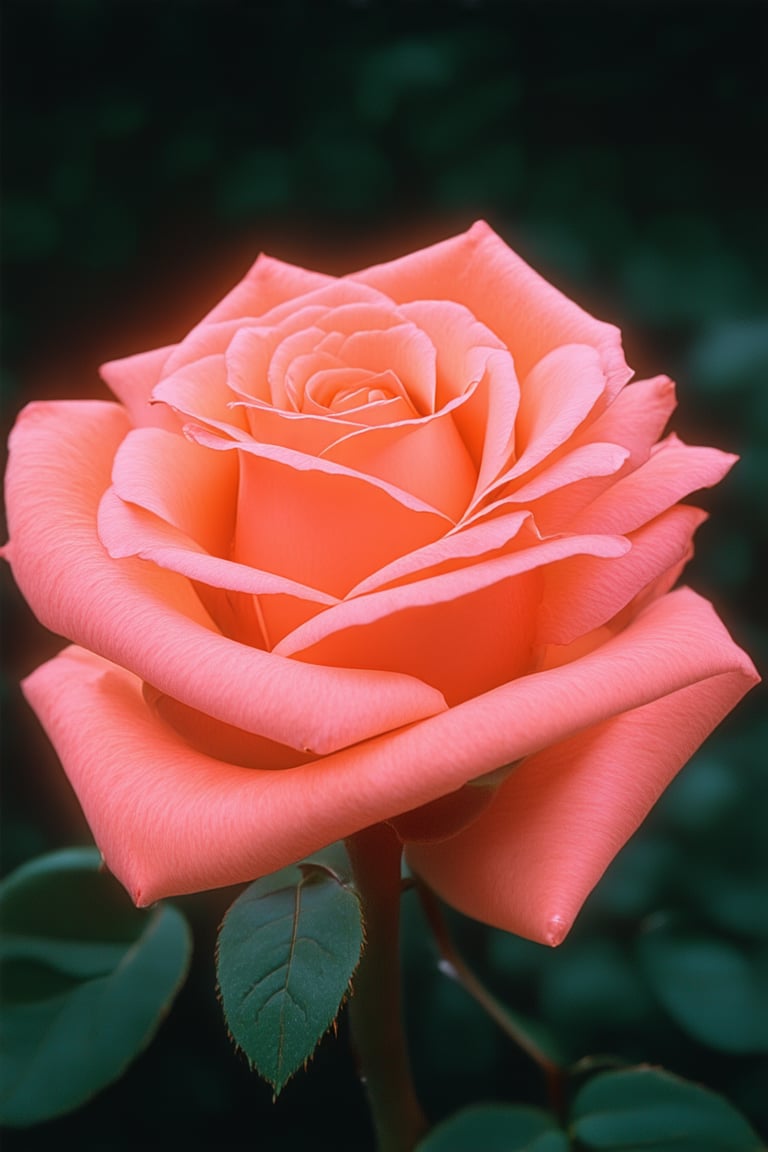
673 471
584 463
295 430
473 362
223 742
190 487
267 284
528 863
463 645
404 455
350 524
359 398
248 356
294 358
446 553
132 380
170 820
632 423
127 530
467 628
528 314
250 352
150 620
556 397
635 419
404 350
200 390
583 592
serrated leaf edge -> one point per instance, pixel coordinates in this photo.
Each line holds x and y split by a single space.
304 867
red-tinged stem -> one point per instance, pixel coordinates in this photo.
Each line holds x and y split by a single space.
454 966
375 1007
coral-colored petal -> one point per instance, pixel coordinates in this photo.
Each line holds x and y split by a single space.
404 350
487 420
294 357
170 820
200 390
189 486
349 524
132 380
673 471
127 530
267 292
359 398
528 863
472 362
404 455
173 502
150 620
346 633
463 344
582 592
449 552
632 422
504 293
556 397
341 305
266 285
584 463
635 419
248 355
463 645
309 434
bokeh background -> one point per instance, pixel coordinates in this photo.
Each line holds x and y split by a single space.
150 151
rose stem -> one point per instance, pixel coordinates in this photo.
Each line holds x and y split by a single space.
452 964
375 1008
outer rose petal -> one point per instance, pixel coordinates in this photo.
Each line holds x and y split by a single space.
266 284
193 489
127 530
673 471
528 314
170 820
528 863
200 390
132 380
581 593
150 620
635 419
557 396
214 334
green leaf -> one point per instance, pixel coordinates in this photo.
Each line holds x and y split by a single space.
496 1128
287 950
715 992
86 980
642 1109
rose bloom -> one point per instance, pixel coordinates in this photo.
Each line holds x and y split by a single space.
397 546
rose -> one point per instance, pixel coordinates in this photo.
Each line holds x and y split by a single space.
392 547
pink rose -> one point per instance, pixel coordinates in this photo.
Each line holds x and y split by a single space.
397 546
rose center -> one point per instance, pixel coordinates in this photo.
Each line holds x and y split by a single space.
347 389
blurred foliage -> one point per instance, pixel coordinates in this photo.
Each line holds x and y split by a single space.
86 981
151 149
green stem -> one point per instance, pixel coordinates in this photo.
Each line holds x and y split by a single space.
375 1008
453 965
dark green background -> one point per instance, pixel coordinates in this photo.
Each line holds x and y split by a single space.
150 150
